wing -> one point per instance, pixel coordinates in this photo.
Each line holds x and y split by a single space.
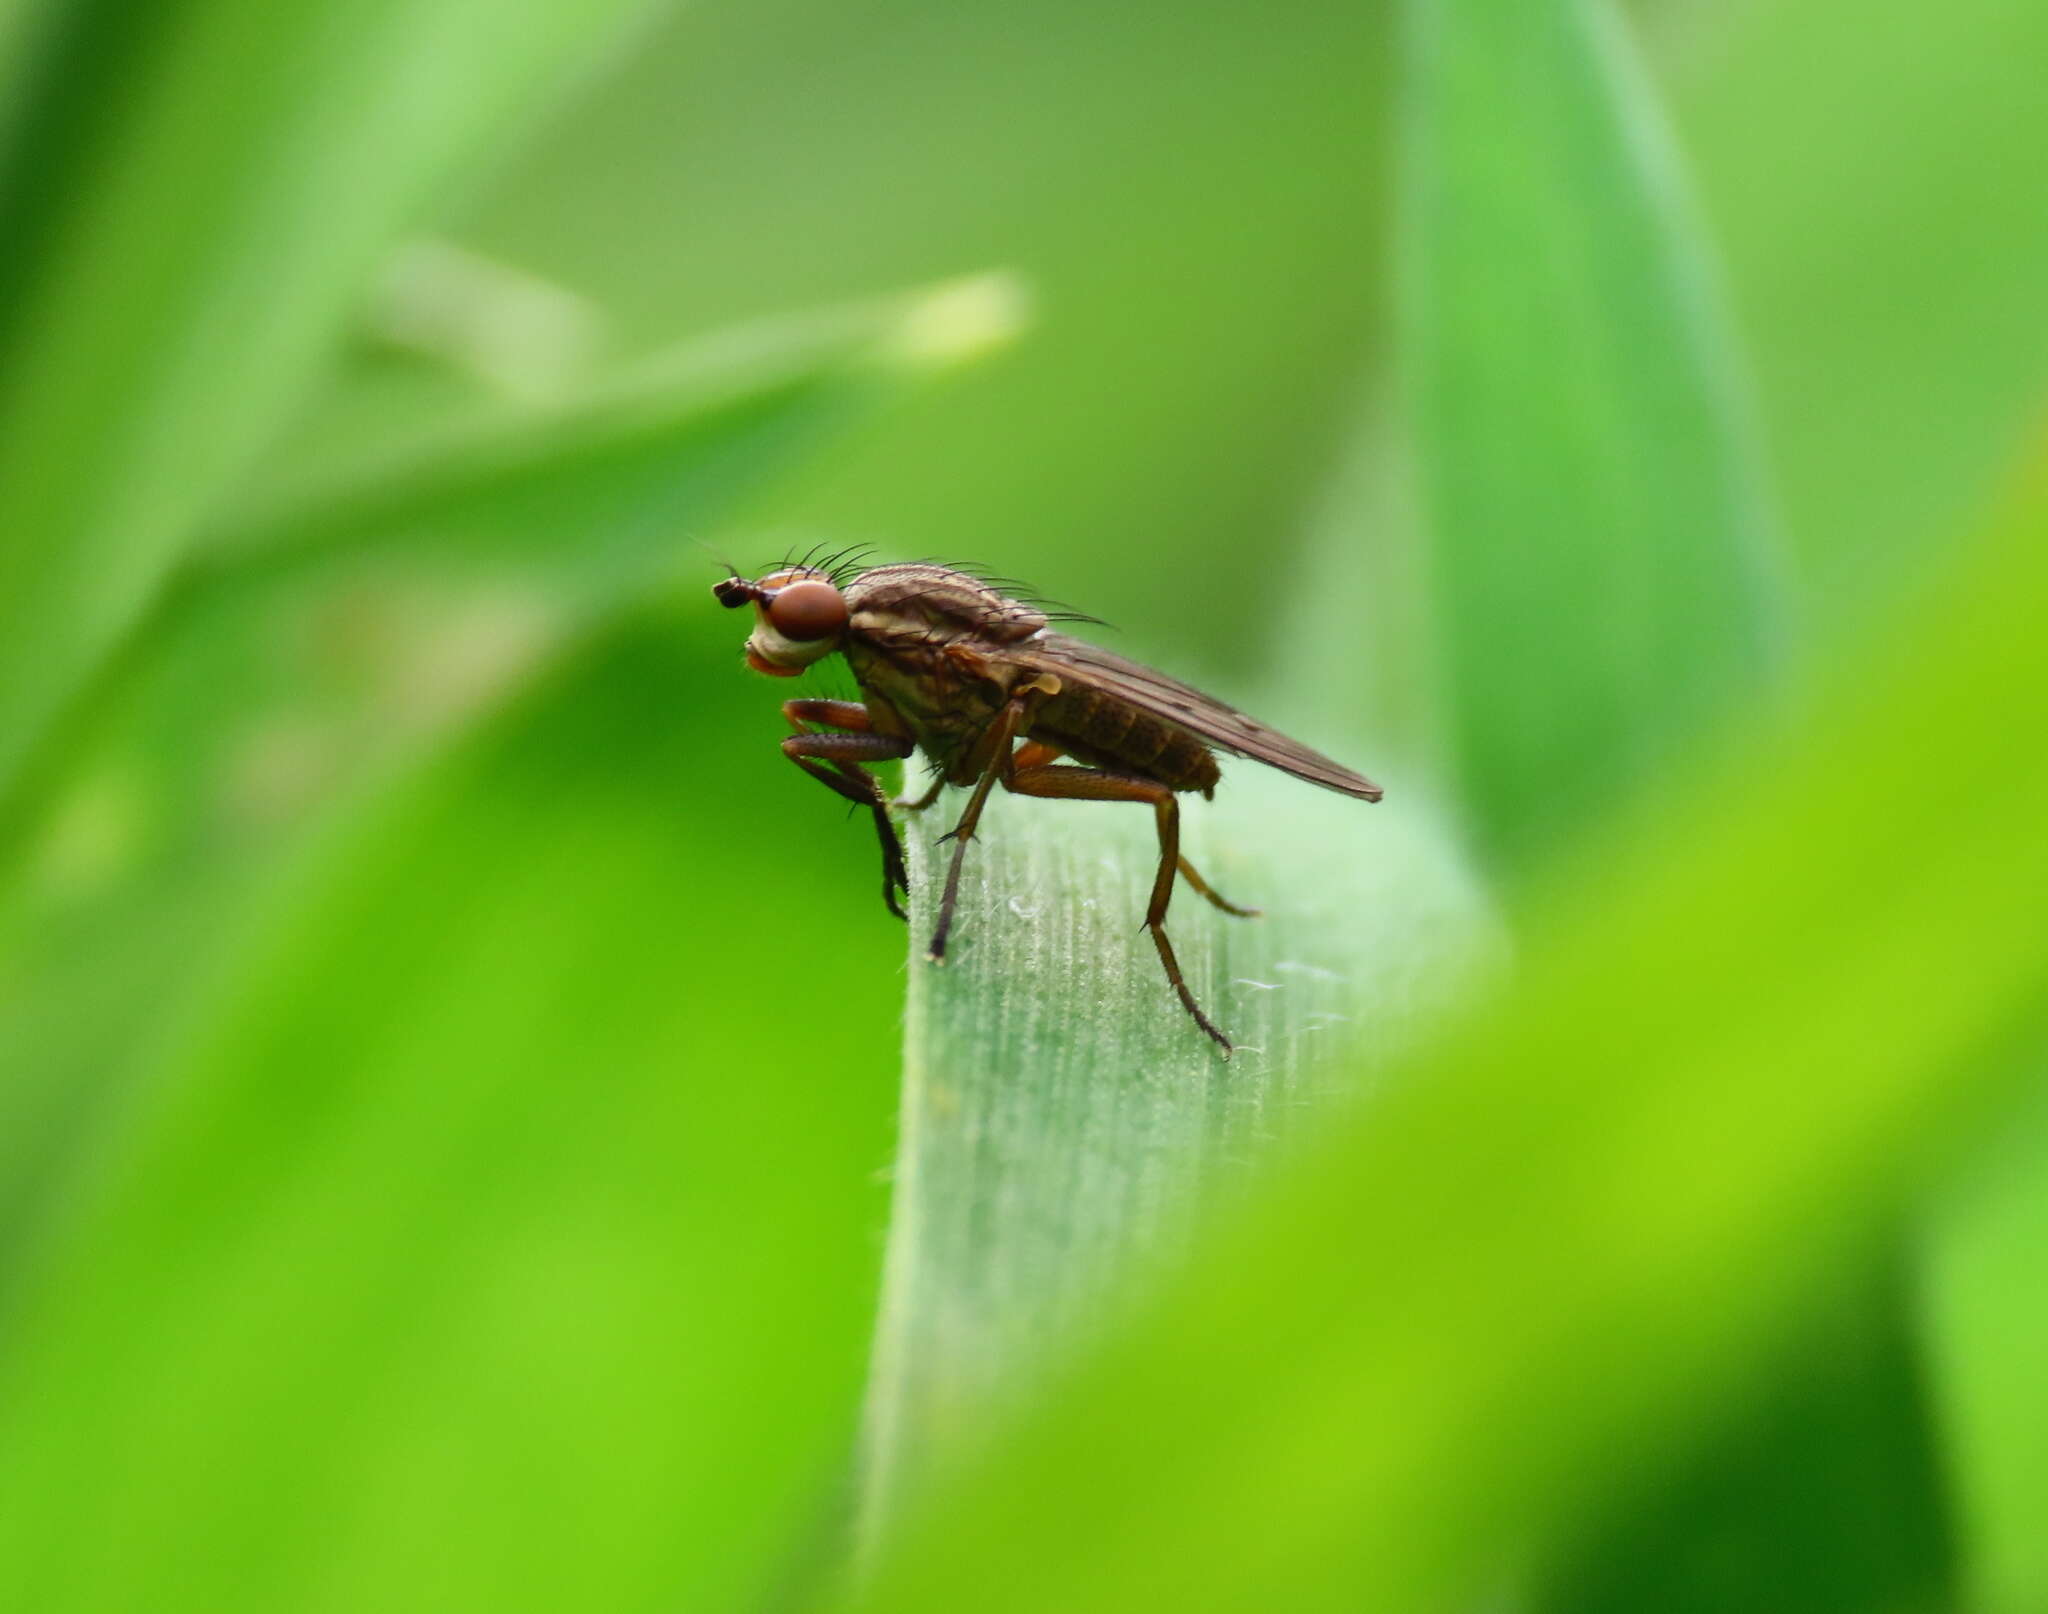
1077 661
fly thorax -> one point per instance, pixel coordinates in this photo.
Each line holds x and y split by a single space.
920 601
895 628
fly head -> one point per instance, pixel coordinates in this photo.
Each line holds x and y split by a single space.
800 616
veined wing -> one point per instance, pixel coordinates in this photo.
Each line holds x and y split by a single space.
1078 662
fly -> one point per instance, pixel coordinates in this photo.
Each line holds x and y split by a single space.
978 680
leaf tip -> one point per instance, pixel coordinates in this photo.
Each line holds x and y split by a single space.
960 321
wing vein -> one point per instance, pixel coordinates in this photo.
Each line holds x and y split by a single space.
1211 720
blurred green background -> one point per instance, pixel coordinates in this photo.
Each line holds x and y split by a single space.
447 1061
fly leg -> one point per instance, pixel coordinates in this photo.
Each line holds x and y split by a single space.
1207 891
1071 783
1015 716
834 760
1037 753
924 801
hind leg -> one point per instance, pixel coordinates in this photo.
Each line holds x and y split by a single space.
1074 783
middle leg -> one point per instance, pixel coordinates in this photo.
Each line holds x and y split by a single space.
1001 764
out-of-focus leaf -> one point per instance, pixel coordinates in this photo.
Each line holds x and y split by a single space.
221 205
1874 174
510 485
1600 555
1984 1326
1197 192
1822 1482
312 658
1468 1322
22 23
1987 1332
501 1233
1357 644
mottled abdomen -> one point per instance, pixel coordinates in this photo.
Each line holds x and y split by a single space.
1109 733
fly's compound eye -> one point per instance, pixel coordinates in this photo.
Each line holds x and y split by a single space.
810 610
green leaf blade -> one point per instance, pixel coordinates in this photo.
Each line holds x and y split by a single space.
1602 562
188 290
1431 1351
1065 1124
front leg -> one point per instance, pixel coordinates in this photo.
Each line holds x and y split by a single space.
860 719
834 760
852 716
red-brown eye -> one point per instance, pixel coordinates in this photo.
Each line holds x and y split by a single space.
812 609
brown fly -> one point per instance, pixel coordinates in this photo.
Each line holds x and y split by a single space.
976 678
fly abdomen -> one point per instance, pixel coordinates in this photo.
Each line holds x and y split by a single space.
1103 723
1114 734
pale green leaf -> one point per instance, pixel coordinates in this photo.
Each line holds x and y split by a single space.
506 485
1986 1318
1063 1119
1873 170
1600 554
